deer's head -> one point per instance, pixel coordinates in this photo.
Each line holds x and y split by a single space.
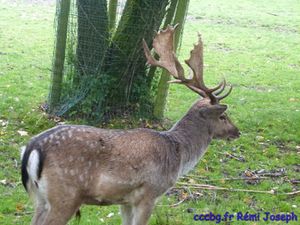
209 107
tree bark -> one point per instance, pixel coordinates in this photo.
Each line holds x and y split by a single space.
112 12
163 85
59 58
125 61
93 36
168 21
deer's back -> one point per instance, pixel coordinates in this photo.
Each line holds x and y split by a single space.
94 159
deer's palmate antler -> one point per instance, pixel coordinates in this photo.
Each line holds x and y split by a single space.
163 45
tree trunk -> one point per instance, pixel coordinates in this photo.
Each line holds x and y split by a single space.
125 61
59 58
163 85
168 21
92 36
112 12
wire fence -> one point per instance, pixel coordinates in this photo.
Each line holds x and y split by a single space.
100 59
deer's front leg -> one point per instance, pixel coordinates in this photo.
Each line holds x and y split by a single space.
127 214
142 211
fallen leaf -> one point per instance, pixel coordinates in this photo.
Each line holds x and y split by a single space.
110 215
3 123
19 207
259 138
22 132
4 182
192 181
293 100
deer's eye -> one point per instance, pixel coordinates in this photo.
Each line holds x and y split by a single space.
222 118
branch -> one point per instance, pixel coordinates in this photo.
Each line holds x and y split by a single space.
228 179
211 187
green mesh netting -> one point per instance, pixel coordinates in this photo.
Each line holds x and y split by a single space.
105 74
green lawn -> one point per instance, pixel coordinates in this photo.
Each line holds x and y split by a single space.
253 44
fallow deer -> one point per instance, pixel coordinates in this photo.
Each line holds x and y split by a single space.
71 165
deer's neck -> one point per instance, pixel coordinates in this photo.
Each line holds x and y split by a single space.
193 135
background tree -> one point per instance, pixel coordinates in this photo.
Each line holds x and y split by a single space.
178 11
112 12
92 35
125 60
59 53
106 71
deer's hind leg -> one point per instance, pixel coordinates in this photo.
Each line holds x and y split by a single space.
142 211
40 212
127 214
60 212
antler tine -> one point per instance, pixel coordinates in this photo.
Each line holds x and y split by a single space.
219 98
190 86
222 88
220 85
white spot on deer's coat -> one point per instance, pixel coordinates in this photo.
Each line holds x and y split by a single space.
63 137
66 170
70 133
81 159
33 164
78 138
90 163
72 172
64 128
81 178
92 145
70 158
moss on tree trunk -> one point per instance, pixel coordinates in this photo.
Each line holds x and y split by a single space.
163 85
92 35
125 61
59 57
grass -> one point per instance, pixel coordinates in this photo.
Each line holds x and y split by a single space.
254 44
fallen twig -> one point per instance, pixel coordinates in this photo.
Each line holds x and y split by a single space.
228 178
238 158
291 193
295 181
211 187
23 213
175 204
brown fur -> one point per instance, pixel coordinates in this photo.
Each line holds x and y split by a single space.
132 168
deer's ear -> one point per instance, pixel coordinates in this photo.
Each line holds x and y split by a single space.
214 110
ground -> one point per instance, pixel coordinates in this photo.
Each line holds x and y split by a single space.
253 44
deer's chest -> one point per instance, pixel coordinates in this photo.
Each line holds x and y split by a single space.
190 161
